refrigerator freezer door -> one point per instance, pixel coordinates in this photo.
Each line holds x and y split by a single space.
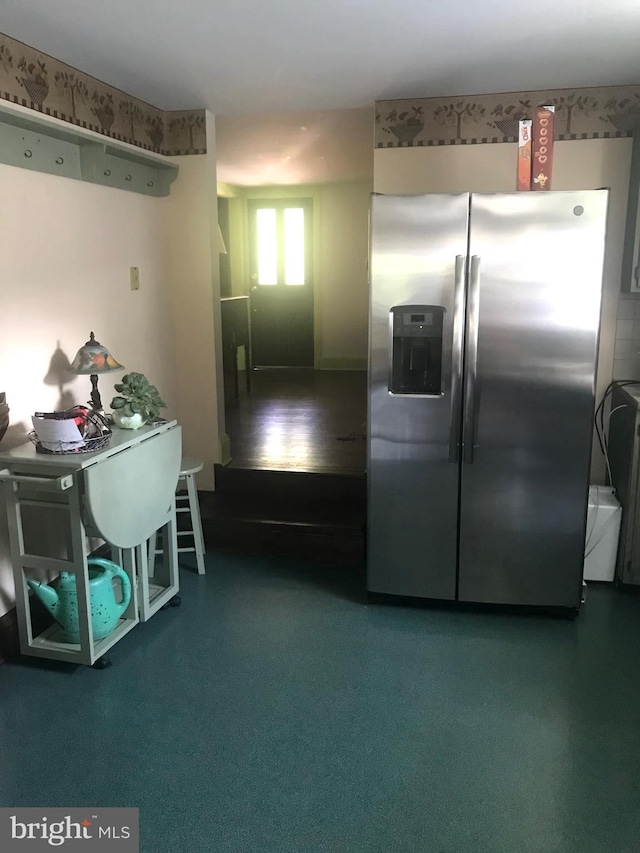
524 488
418 249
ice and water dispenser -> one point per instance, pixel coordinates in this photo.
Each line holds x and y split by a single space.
416 352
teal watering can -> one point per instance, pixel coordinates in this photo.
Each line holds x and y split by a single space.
62 603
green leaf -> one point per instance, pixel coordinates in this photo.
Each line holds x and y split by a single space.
139 396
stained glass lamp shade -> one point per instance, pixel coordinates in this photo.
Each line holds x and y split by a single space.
91 360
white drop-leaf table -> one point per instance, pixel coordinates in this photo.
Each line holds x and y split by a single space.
122 494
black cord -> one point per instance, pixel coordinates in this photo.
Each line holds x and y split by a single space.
600 427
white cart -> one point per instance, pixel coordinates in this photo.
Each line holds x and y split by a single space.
122 494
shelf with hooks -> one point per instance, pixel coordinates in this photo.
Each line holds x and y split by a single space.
41 143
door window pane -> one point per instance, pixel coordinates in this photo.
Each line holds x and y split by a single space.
267 246
294 245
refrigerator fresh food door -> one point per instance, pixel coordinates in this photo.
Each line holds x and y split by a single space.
535 285
417 270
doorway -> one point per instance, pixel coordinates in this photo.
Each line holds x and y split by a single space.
281 275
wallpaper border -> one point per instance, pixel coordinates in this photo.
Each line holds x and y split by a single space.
593 113
40 82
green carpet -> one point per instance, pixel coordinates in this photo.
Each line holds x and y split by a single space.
275 712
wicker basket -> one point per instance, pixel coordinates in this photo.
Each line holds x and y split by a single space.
97 435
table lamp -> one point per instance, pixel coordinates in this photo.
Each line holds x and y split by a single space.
92 359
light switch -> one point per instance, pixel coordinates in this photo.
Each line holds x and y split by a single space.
134 278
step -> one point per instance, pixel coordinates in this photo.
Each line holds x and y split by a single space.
286 513
244 537
295 484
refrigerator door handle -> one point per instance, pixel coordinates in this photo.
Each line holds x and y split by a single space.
469 428
456 358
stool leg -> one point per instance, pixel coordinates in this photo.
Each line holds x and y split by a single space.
196 524
139 558
152 555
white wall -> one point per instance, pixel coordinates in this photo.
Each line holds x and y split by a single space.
298 147
343 277
64 270
195 293
587 164
64 267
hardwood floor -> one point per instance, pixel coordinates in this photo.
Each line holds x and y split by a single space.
300 419
297 483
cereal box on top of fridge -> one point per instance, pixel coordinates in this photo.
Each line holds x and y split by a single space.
542 147
524 154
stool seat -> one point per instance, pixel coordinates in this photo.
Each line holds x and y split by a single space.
190 465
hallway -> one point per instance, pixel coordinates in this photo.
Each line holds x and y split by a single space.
296 483
300 419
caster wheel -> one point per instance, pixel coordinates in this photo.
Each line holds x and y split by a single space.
176 601
102 663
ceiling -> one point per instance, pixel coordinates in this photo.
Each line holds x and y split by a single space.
275 72
241 56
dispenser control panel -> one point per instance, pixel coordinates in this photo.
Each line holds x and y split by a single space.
416 349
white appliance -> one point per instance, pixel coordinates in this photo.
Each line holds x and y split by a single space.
604 514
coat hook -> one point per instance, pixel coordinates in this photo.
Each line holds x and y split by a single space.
28 153
59 160
149 183
128 178
107 172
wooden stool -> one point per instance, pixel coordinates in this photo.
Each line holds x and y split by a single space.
189 467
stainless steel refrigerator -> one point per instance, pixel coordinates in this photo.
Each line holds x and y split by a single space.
484 322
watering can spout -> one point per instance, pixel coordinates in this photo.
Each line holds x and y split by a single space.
47 595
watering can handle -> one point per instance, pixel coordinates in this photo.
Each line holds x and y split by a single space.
117 572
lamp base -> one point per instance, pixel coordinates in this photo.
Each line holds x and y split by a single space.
95 401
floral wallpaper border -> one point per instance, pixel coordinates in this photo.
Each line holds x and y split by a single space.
35 80
610 111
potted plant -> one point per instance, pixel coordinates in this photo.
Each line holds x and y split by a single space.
138 401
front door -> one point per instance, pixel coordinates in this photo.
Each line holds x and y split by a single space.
280 233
